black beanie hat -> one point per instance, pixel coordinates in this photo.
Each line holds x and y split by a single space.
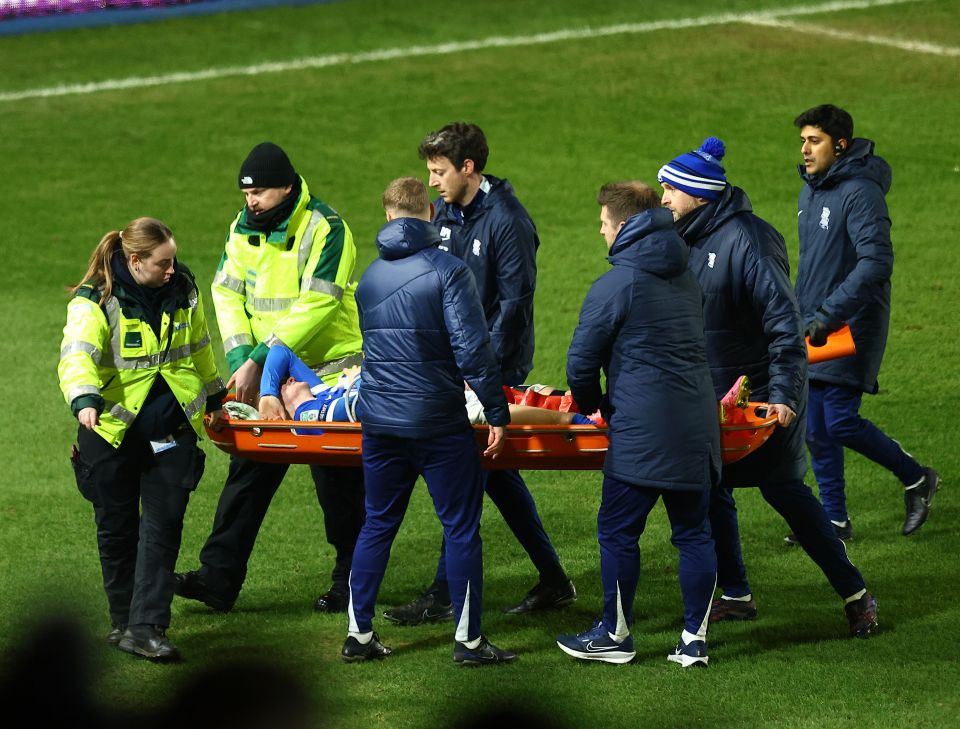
267 166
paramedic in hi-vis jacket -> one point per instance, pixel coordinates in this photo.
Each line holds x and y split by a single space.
138 371
284 279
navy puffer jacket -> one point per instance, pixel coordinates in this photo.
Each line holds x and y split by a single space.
752 325
423 334
642 324
846 259
498 241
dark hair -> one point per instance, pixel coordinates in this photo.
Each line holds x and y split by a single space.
626 199
458 142
407 195
831 119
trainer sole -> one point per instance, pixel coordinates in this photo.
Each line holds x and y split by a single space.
611 657
688 661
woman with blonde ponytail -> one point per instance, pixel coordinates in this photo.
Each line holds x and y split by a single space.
137 369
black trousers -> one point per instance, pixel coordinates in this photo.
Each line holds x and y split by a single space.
244 501
795 502
139 498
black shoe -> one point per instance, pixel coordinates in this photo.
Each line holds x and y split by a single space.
844 534
114 636
332 601
427 608
354 651
484 654
192 586
149 642
918 499
722 609
862 616
542 597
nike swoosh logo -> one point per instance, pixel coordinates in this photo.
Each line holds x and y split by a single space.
591 648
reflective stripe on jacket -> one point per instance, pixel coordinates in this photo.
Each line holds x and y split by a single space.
107 354
292 287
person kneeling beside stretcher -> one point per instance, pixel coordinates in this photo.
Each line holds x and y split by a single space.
290 390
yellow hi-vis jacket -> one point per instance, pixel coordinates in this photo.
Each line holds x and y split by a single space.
292 287
106 354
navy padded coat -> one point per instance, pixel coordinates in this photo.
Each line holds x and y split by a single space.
498 242
423 334
846 259
642 324
752 325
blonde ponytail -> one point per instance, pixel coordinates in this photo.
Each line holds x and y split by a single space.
99 272
140 236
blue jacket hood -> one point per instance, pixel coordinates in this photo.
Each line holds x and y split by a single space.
859 161
709 218
648 241
402 237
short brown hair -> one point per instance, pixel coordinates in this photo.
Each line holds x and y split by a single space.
625 199
407 195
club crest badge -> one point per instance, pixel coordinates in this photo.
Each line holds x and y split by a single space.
825 218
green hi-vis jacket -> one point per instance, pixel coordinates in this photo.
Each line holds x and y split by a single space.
110 355
292 287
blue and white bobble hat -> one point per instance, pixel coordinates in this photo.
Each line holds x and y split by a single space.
698 173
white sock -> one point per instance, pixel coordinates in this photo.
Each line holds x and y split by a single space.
689 638
471 644
746 598
855 597
361 638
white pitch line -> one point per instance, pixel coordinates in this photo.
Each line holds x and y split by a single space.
904 45
343 59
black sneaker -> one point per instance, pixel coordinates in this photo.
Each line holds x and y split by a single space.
844 534
333 600
427 608
149 641
543 597
114 636
862 616
917 500
484 654
192 586
354 651
725 609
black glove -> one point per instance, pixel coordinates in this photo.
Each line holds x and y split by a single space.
817 331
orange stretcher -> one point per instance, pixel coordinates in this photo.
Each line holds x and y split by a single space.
839 344
527 447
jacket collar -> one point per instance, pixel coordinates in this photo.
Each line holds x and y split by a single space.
281 234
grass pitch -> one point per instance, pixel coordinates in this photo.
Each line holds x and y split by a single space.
562 117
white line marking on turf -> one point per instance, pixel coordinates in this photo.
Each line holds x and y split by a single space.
343 59
905 45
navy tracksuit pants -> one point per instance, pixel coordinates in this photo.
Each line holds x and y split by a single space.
834 423
513 499
795 502
620 522
450 465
